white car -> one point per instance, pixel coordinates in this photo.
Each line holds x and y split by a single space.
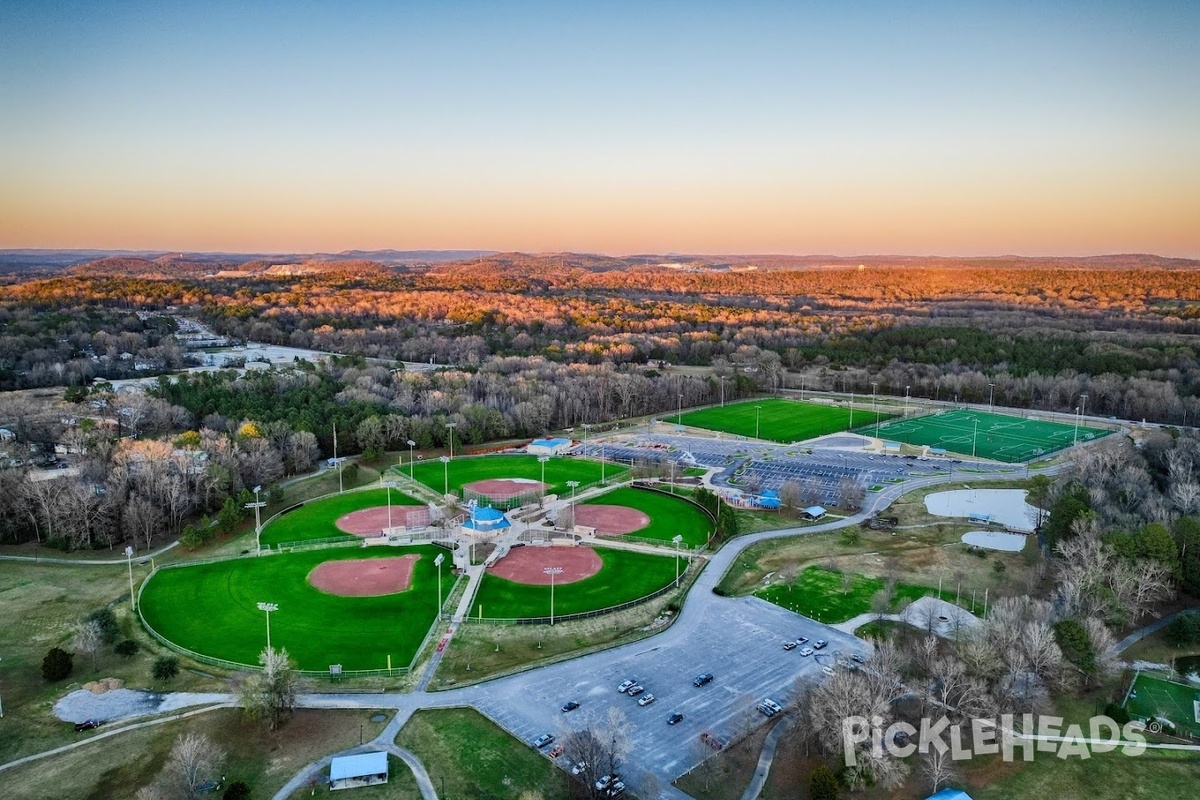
625 686
806 651
645 701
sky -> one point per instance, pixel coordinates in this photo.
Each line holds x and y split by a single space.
940 128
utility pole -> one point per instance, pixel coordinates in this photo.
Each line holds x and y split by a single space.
129 561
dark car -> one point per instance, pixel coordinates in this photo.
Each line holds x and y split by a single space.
703 679
635 690
674 718
857 658
570 705
87 725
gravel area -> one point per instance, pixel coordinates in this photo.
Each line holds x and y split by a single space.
119 704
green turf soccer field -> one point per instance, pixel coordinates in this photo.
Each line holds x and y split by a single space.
1000 437
315 520
779 420
668 515
212 609
625 576
1163 699
469 469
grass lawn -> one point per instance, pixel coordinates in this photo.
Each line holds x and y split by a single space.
119 766
668 515
998 436
315 520
778 419
212 609
559 470
822 594
471 756
1165 700
625 576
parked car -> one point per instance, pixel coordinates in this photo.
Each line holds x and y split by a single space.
801 640
578 767
857 658
645 701
789 645
606 781
570 705
616 790
675 718
828 670
819 644
557 751
625 686
806 651
701 680
87 725
769 707
635 690
543 740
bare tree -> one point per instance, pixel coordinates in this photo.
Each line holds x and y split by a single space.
193 761
270 695
87 637
938 769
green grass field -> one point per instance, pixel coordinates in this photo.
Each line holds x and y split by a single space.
468 755
999 436
212 609
1163 699
779 420
559 470
625 576
668 515
821 594
315 520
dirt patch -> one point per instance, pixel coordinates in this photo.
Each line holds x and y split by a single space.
505 488
525 564
364 577
611 520
372 521
104 685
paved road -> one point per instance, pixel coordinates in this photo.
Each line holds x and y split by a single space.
1141 633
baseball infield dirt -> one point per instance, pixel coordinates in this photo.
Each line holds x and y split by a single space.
525 564
372 521
363 577
611 520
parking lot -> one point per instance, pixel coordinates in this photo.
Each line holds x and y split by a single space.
740 641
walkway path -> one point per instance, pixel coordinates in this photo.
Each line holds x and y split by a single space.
764 761
1141 633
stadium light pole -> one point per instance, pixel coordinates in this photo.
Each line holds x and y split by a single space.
679 414
389 494
411 444
257 506
991 396
445 475
974 437
542 460
268 608
875 406
450 426
757 409
602 481
573 485
1075 441
851 411
552 571
437 562
129 562
585 426
1082 405
906 388
677 539
722 377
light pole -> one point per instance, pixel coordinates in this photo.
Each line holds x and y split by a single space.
552 571
875 407
542 460
411 444
129 561
757 409
679 414
991 395
445 475
437 562
602 481
573 485
1082 405
974 438
586 425
906 388
677 539
257 506
851 412
450 426
389 494
268 607
722 377
802 376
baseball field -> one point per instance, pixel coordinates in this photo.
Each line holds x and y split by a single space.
665 516
463 471
318 519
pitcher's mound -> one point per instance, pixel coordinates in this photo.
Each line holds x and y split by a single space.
364 577
525 565
611 519
372 521
499 489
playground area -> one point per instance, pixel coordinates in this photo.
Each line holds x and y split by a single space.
999 437
776 419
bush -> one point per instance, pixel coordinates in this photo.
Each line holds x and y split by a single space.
1184 630
107 620
165 668
823 785
57 665
126 648
1116 713
238 790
